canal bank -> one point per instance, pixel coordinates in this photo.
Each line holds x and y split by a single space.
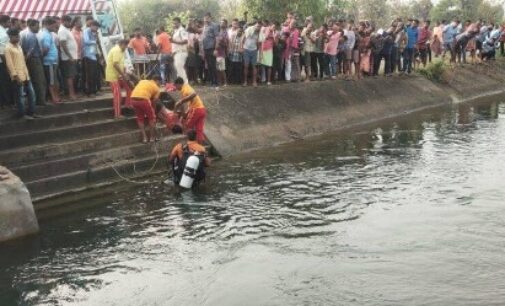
76 151
245 119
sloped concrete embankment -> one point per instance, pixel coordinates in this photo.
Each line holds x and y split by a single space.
244 119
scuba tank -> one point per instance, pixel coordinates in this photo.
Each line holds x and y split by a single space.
189 174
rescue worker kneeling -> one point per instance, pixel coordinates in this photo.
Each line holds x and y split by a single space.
188 160
144 97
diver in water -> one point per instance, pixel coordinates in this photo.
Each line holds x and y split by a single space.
188 160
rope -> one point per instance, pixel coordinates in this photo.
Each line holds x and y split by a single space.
137 174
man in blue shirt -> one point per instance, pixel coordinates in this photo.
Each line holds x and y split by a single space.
50 57
89 57
33 53
408 55
449 33
210 33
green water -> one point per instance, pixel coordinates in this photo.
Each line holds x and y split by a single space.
405 212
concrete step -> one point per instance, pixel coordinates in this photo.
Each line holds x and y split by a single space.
102 101
57 204
58 120
29 172
81 180
51 151
62 134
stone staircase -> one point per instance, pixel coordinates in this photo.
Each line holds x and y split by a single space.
78 147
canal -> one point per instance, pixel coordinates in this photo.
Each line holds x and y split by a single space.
408 211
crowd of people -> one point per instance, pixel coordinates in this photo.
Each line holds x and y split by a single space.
264 51
39 62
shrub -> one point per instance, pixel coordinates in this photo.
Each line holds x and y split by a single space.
436 72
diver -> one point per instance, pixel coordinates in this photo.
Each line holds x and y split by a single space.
188 160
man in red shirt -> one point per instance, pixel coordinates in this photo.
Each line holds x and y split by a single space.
423 41
139 43
165 49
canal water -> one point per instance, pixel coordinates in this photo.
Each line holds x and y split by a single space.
404 212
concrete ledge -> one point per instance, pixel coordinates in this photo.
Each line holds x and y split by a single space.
244 119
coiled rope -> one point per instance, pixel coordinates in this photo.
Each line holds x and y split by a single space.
135 173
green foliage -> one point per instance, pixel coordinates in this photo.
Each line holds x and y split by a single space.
151 14
421 9
277 9
467 9
377 11
343 9
184 16
436 72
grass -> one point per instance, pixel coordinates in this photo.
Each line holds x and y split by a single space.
435 71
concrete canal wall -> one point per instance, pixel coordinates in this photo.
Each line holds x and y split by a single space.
242 119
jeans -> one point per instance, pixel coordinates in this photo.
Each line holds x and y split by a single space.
332 61
211 66
38 78
408 56
91 70
166 68
19 91
236 73
395 59
287 69
460 49
295 67
5 91
340 62
377 59
78 81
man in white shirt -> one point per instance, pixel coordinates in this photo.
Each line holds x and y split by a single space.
68 52
5 91
180 48
233 30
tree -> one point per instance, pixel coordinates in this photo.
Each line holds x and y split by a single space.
277 9
376 11
402 9
421 9
490 13
151 14
467 10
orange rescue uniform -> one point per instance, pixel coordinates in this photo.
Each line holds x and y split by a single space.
196 113
193 146
142 96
